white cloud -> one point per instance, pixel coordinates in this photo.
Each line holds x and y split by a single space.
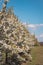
24 23
41 35
32 25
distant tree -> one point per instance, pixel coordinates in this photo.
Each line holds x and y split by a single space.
36 42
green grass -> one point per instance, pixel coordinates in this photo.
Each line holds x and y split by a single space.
37 54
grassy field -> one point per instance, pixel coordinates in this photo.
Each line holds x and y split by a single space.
37 54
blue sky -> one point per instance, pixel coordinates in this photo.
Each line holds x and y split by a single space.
30 12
